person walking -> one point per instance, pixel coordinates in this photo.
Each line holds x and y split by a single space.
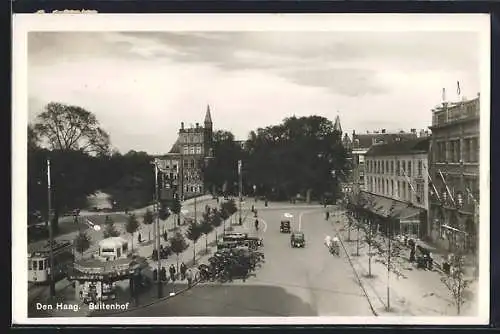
189 276
171 270
183 270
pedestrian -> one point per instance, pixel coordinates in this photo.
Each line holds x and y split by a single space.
253 208
189 276
172 272
255 214
431 261
183 269
163 274
412 254
327 214
139 237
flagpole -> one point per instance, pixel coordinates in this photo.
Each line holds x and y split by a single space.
51 232
446 185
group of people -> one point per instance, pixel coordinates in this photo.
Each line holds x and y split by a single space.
185 273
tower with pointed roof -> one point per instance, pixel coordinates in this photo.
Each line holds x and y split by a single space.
208 133
337 127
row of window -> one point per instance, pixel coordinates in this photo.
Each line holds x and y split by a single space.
193 189
401 190
188 149
466 150
391 167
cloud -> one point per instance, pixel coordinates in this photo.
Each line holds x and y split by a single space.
142 85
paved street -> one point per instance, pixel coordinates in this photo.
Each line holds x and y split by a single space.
292 282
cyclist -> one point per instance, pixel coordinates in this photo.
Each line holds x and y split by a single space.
256 224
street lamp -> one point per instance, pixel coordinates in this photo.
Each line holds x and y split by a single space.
51 233
157 210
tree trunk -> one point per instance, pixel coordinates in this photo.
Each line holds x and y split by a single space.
206 243
149 233
132 242
177 255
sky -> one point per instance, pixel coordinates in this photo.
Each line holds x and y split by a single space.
142 85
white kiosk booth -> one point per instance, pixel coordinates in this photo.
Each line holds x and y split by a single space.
113 248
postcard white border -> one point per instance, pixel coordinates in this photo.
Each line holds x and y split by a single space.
23 23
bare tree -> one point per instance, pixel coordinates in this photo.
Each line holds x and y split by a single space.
456 283
66 127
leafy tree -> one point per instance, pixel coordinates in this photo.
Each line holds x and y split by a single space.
456 282
222 168
109 228
178 245
194 233
71 133
148 219
82 242
132 226
65 127
299 155
205 228
216 221
164 211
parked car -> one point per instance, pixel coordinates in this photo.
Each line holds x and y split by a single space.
297 239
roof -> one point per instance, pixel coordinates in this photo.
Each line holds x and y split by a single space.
367 140
112 242
411 146
337 127
176 148
208 117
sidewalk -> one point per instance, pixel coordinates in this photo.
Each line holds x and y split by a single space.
149 296
413 292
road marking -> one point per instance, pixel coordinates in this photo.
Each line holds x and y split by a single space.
265 225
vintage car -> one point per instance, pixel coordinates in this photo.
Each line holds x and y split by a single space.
297 239
285 226
227 245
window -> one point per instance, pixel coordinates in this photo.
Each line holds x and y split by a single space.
387 167
419 171
35 264
392 167
399 189
392 188
198 149
30 265
403 192
403 167
186 149
191 150
387 187
409 169
192 163
398 172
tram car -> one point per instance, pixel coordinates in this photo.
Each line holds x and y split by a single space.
39 261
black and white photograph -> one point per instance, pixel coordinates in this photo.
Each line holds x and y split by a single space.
251 169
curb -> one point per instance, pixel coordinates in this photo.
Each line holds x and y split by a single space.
357 276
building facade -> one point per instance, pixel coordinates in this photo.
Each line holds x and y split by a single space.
396 180
183 170
361 143
454 171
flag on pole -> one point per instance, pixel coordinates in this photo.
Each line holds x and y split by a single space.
444 95
409 182
433 186
458 88
239 167
447 189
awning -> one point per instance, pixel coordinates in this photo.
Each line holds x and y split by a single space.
382 206
453 229
409 215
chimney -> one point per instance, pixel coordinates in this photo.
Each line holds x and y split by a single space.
197 125
182 125
383 131
414 131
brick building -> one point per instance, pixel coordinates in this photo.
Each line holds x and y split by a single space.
454 171
185 161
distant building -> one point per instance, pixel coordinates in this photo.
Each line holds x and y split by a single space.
454 164
395 178
186 159
361 143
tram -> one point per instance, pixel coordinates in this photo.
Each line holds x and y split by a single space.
39 261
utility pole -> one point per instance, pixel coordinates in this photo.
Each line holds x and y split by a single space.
240 183
160 292
51 233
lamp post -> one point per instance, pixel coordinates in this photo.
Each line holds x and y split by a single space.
157 209
51 233
240 186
